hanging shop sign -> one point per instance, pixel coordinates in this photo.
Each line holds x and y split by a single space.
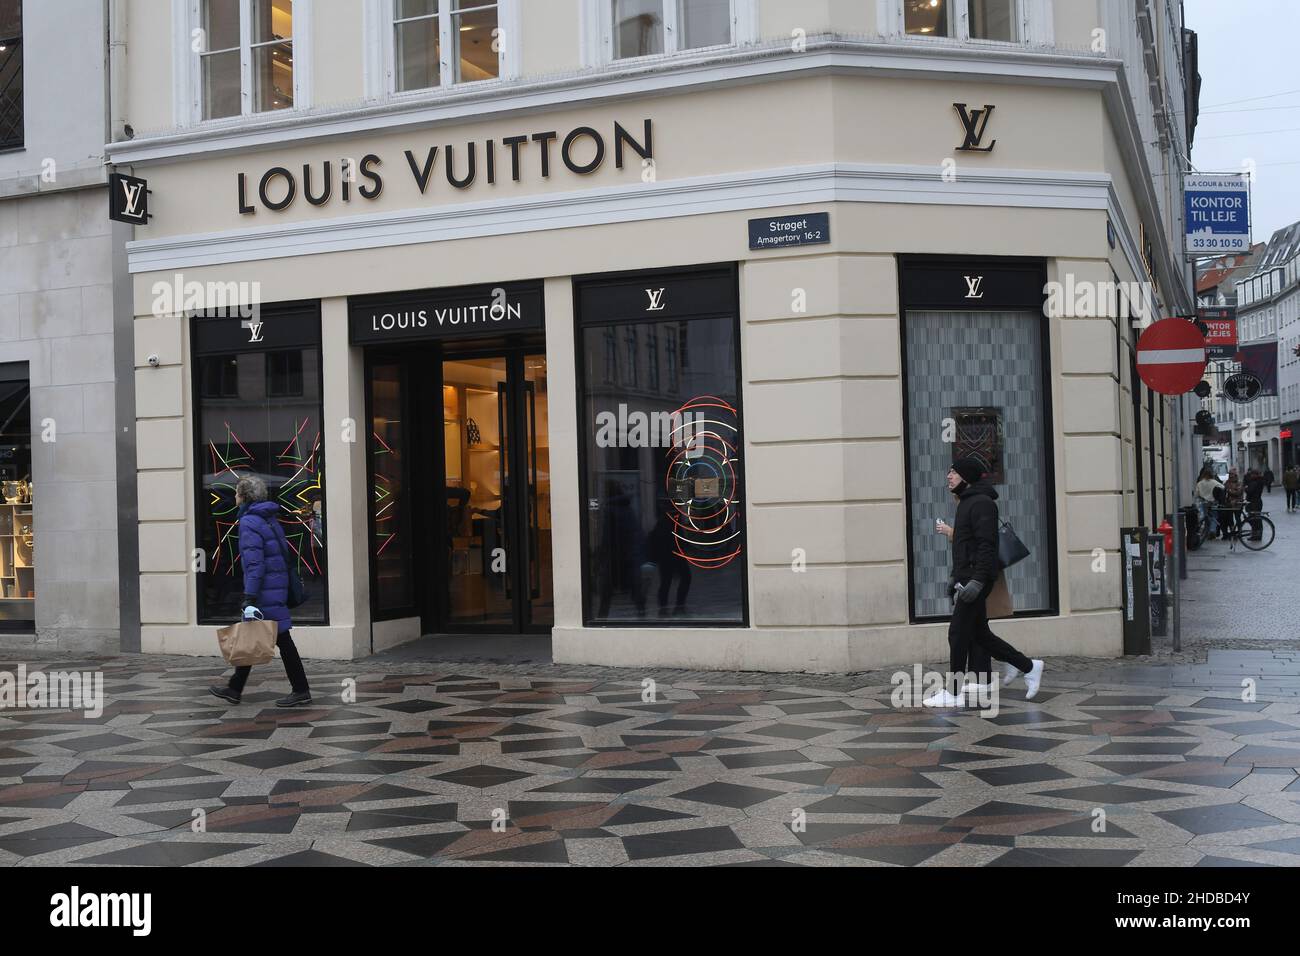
445 313
1171 356
810 229
1221 332
1242 388
1216 213
1260 360
581 151
128 199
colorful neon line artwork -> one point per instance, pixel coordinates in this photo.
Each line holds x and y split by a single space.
702 483
385 498
299 494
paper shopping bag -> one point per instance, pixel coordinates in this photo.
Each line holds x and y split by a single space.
248 642
999 600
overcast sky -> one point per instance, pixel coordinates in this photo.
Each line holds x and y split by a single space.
1249 52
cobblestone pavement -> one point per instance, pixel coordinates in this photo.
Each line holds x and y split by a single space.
587 770
1159 760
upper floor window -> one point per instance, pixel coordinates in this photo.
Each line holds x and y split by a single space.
441 42
11 74
246 57
963 19
646 27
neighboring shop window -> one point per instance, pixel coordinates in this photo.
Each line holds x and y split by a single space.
11 74
646 27
243 71
258 412
662 470
17 527
976 383
963 19
390 544
423 29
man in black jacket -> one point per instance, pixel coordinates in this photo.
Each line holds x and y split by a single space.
974 570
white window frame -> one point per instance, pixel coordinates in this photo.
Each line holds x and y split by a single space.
1033 23
187 65
381 53
597 28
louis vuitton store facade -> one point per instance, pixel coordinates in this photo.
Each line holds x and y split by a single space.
674 390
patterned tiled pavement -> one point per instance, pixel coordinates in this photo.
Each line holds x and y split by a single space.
1114 764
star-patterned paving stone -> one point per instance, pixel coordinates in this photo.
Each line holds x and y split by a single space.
498 765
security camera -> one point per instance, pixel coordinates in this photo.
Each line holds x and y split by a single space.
153 360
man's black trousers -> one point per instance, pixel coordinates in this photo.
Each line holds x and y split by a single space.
969 634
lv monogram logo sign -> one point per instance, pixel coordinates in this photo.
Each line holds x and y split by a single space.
973 287
974 122
656 300
128 199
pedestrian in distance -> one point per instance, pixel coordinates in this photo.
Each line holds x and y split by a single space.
264 555
1206 504
1253 489
1290 484
1268 480
1233 497
974 571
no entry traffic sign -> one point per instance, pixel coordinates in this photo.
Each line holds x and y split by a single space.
1171 356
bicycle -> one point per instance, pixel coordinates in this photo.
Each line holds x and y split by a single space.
1252 521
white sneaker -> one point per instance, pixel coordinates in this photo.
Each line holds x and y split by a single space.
1011 674
942 698
1033 679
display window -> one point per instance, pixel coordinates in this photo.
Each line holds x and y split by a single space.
258 413
976 382
662 448
17 487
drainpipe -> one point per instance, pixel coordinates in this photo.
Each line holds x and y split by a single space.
116 17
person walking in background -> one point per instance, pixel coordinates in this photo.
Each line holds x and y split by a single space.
264 555
1268 480
974 571
1253 487
1233 496
1290 483
1206 484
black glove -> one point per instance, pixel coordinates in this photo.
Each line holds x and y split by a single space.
969 591
246 600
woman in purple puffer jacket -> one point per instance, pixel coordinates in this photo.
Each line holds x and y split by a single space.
264 555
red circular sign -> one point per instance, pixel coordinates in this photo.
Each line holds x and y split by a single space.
1171 356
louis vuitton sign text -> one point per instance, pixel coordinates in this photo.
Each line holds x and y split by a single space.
581 151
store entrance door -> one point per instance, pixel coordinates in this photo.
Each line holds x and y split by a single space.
460 509
496 494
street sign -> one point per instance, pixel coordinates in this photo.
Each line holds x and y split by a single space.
1242 388
781 231
1221 338
1217 213
1171 356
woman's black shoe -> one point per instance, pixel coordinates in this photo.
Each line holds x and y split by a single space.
224 692
294 699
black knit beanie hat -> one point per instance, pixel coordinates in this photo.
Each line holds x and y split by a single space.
971 468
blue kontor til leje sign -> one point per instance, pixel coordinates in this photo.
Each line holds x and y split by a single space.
1217 207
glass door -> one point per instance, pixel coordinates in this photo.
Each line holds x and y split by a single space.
476 437
460 490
